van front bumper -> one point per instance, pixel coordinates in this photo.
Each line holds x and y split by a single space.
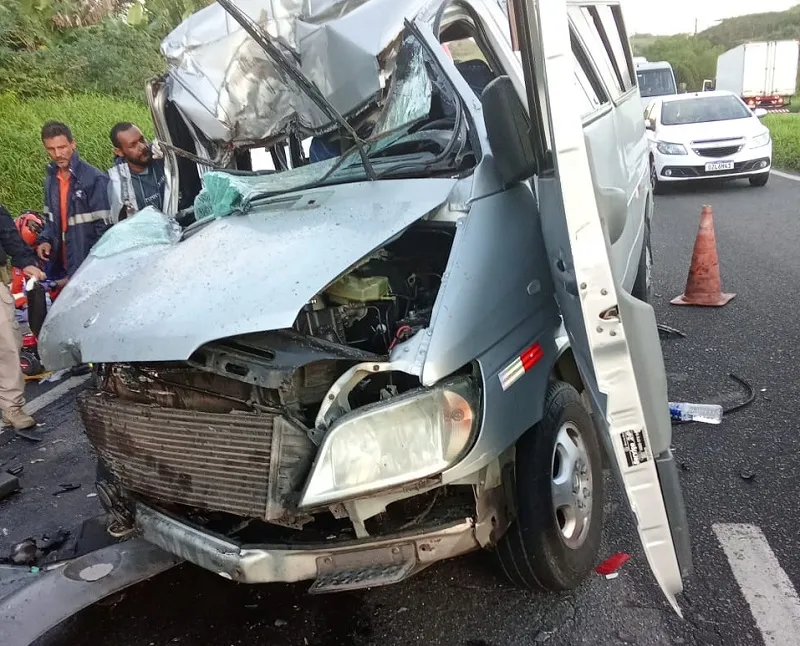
346 565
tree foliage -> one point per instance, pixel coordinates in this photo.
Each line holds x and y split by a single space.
161 16
110 58
63 47
693 58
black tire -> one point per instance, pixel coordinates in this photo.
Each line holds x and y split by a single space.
658 186
759 180
643 287
534 553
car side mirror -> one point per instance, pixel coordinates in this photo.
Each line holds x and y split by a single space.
760 112
508 128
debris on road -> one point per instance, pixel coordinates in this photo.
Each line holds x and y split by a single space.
671 331
705 413
612 564
64 488
30 551
25 552
30 435
751 394
747 475
15 470
54 377
8 484
279 623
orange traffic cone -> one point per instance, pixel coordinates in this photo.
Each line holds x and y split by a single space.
704 286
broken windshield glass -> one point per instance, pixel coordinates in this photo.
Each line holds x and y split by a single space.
410 94
149 227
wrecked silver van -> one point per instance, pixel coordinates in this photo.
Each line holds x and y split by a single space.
407 337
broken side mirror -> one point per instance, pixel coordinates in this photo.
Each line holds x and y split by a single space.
649 125
508 127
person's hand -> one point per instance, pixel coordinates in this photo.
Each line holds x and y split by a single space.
62 282
44 250
32 271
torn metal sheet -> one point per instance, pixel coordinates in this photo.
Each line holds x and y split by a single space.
39 602
227 86
156 303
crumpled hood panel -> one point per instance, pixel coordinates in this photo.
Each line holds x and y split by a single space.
227 86
236 275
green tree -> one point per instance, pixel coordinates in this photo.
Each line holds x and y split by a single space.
693 58
162 16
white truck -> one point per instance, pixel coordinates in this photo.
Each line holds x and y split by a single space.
764 74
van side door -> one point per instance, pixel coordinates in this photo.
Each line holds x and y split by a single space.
613 335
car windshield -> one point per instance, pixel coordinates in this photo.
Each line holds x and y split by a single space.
656 82
416 126
703 110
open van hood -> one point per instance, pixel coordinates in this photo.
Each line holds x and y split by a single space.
235 275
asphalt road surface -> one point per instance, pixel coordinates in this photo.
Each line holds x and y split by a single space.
740 480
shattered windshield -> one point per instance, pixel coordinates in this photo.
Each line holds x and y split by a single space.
412 127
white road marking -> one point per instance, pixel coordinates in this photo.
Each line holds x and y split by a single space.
55 393
769 592
794 178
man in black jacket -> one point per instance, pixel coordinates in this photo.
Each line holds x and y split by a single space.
12 383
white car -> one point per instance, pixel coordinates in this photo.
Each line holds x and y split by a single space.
707 135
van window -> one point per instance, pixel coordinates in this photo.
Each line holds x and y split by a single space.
590 90
610 52
584 27
473 57
608 21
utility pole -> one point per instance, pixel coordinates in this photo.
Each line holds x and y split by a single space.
695 26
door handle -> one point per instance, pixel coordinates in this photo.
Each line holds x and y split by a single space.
569 280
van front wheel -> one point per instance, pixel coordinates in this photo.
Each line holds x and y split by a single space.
554 542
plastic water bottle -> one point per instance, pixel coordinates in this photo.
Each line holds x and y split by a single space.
705 413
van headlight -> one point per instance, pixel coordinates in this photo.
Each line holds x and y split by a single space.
666 148
759 141
416 435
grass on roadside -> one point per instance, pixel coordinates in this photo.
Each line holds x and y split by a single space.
785 129
22 157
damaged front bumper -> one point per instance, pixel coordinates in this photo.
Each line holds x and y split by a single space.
348 565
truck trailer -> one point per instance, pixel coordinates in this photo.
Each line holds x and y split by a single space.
764 74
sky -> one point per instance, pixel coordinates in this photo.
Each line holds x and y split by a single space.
664 17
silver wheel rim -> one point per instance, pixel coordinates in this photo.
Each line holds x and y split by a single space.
571 486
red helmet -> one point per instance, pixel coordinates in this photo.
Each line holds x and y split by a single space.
30 225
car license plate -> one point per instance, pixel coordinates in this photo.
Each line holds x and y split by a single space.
720 165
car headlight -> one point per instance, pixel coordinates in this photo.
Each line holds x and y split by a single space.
666 148
761 140
416 435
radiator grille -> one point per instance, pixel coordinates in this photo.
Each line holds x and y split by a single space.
720 151
241 463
